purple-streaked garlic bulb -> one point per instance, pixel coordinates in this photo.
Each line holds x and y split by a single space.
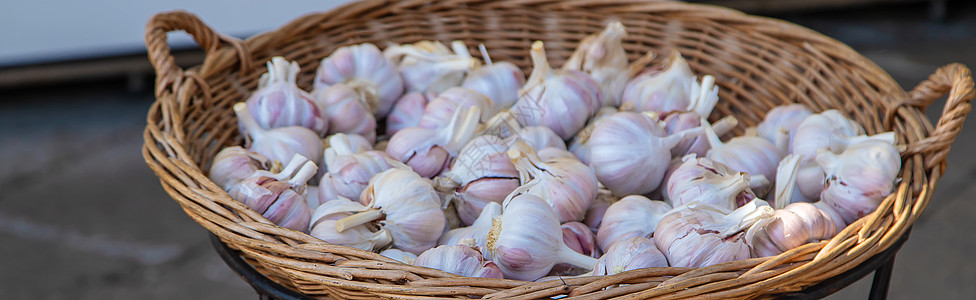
559 99
788 228
538 137
631 216
406 205
281 143
368 237
363 68
567 185
594 214
580 238
551 153
526 241
439 111
430 66
499 81
477 231
234 164
481 174
700 235
279 102
782 118
349 172
346 111
630 254
603 57
631 151
672 89
408 111
579 144
859 178
428 152
708 182
279 197
748 154
459 259
399 255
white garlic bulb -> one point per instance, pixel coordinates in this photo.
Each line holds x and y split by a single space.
567 185
349 173
782 118
477 231
499 81
279 197
579 144
859 178
630 254
346 111
699 235
363 68
663 91
630 152
709 182
459 259
400 255
408 206
631 216
481 174
529 252
279 102
748 154
233 164
788 228
407 111
281 143
561 100
439 111
430 66
366 236
428 152
603 57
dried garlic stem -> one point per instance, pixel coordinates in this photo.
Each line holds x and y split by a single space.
358 219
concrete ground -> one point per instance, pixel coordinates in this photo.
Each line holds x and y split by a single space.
82 217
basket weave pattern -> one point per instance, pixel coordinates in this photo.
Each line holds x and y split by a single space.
758 63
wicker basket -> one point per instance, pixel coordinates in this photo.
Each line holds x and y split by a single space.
758 62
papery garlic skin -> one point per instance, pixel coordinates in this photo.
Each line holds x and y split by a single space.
631 216
279 144
782 118
430 66
346 111
788 228
481 174
672 89
439 111
603 57
859 178
477 231
399 255
459 259
408 111
233 164
428 152
630 254
699 235
279 102
364 68
529 252
561 100
708 182
499 81
567 185
538 137
412 209
552 153
324 220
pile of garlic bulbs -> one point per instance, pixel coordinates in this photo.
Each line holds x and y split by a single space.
430 156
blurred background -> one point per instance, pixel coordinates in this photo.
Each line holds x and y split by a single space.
82 217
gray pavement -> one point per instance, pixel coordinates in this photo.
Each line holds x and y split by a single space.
82 217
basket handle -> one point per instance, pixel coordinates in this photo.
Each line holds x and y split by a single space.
208 39
957 80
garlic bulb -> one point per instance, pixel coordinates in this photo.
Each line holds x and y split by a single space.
399 255
561 100
748 154
349 173
481 174
579 237
427 151
677 122
234 164
279 102
538 137
594 214
603 57
788 228
439 111
279 197
630 152
782 118
567 185
699 235
631 216
672 89
281 143
579 144
528 252
407 111
477 231
859 178
366 236
499 81
363 68
630 254
348 143
406 205
346 111
429 66
459 259
708 182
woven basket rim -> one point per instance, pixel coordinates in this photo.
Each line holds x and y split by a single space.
261 242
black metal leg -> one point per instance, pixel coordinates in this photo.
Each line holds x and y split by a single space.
882 278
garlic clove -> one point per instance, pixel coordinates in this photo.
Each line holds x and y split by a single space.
631 216
630 254
279 144
346 111
408 111
459 259
364 68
